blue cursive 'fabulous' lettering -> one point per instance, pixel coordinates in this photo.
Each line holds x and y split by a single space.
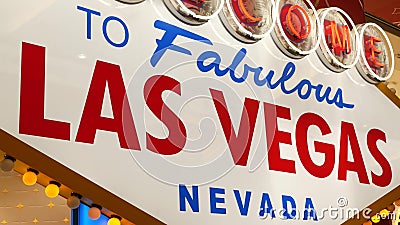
165 43
211 60
303 89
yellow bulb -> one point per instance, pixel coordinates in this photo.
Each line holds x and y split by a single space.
52 190
376 219
114 221
29 178
384 213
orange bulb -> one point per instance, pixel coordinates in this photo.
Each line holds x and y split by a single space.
29 178
52 190
94 213
391 207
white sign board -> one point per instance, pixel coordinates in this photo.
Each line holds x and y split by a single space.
206 130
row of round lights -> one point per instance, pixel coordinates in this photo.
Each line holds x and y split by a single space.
52 190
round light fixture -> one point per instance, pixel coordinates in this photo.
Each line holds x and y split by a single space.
74 201
114 220
30 177
297 26
53 189
339 41
7 164
391 207
94 212
194 12
376 64
248 20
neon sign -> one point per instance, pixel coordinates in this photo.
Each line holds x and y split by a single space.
248 20
377 61
295 33
298 30
338 48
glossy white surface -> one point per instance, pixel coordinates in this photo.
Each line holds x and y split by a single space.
70 61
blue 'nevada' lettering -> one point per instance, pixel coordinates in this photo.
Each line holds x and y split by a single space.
190 201
303 89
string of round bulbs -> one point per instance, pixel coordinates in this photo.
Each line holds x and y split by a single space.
52 190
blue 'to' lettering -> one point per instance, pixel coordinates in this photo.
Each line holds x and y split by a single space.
126 32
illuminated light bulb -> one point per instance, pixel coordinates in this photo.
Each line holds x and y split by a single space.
367 223
7 164
30 177
384 213
94 212
114 220
376 219
74 201
391 207
397 202
53 189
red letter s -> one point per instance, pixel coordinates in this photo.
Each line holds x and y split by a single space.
386 177
176 139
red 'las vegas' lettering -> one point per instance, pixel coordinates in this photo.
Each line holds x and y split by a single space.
350 160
